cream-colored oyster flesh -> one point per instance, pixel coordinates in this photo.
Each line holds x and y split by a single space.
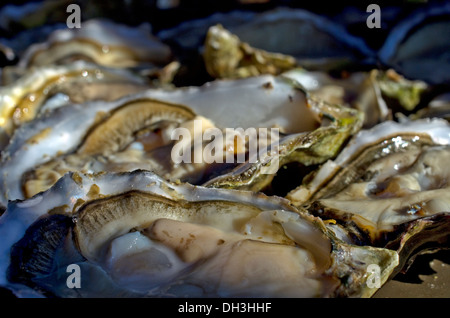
24 99
389 187
438 107
308 148
135 132
258 153
383 140
359 90
410 186
153 238
315 42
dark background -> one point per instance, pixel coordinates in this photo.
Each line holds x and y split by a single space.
351 13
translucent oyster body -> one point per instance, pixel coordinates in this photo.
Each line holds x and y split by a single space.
389 186
134 234
88 182
135 132
26 97
306 148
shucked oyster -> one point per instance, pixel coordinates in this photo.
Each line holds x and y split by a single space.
81 137
134 234
359 90
23 99
135 132
390 185
306 148
102 42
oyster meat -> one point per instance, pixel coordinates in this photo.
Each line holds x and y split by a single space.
247 153
23 99
134 234
388 186
135 132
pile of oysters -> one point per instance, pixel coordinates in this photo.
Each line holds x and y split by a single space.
352 188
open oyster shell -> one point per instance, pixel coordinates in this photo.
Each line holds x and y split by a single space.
134 234
25 98
102 42
307 148
359 90
121 135
77 137
379 201
407 93
389 186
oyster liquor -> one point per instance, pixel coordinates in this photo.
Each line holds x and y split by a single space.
231 307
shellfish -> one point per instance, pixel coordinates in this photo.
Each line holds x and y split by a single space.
134 234
388 185
102 136
25 98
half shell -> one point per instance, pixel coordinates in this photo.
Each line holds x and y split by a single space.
388 186
134 234
62 135
99 41
23 99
